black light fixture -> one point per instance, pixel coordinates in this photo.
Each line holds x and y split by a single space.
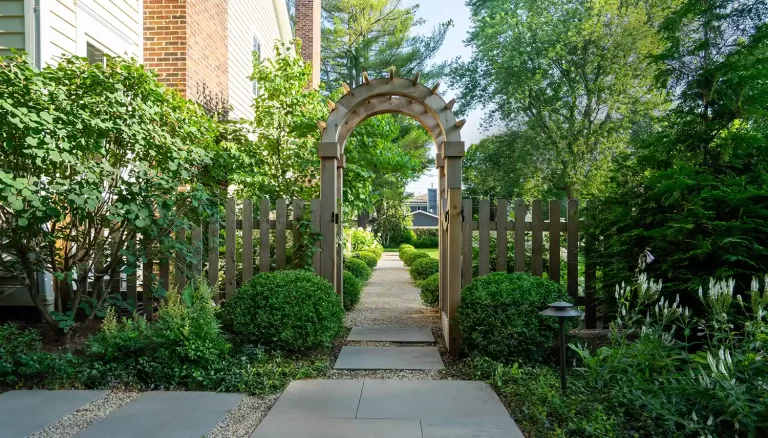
562 310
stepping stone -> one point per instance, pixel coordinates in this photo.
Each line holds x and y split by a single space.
430 400
469 428
23 413
389 358
282 426
320 398
391 334
165 414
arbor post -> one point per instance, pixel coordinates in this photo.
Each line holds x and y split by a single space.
340 226
329 153
453 151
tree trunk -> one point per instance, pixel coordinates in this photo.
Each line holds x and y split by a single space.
362 219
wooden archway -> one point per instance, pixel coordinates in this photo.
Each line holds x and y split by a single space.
423 104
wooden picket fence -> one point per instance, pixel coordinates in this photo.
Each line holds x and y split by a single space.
533 231
271 224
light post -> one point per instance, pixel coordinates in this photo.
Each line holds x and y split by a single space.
562 310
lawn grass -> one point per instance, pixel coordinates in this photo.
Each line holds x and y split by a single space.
433 252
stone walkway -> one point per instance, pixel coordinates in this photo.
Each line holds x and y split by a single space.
386 384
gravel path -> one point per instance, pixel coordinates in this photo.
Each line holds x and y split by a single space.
77 421
391 299
242 421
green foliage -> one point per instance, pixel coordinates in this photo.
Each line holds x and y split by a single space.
422 268
262 374
404 246
430 290
353 288
499 317
285 311
369 258
24 364
411 256
362 239
573 78
98 150
358 268
390 220
426 238
184 348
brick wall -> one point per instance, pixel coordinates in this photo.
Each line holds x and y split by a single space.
308 31
185 43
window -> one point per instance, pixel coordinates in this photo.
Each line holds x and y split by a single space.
256 57
95 55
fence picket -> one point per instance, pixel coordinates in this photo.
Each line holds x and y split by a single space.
501 235
520 211
180 264
230 261
573 249
466 242
165 274
315 211
264 236
197 253
298 215
485 237
554 241
247 239
146 288
213 259
537 238
280 242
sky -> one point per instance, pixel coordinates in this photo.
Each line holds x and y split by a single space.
435 12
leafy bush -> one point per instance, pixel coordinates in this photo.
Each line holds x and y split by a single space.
361 239
285 311
352 290
376 250
358 268
23 363
370 259
404 249
430 290
424 267
184 348
426 242
411 256
499 317
262 373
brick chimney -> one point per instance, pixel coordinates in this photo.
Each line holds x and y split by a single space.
308 31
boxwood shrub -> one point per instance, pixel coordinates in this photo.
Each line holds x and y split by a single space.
424 267
412 256
352 288
369 258
290 310
430 290
358 268
499 317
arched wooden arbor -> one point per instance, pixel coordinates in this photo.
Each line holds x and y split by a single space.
423 104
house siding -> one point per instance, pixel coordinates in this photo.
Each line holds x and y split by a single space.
12 32
248 19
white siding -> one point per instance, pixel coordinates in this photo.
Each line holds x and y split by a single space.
248 19
11 26
68 26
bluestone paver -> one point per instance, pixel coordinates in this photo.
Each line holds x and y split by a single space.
163 414
281 426
471 428
391 334
23 413
429 400
389 358
320 398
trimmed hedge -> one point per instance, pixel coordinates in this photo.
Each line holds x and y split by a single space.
430 290
376 250
499 317
411 257
404 248
369 258
424 267
290 310
358 268
352 289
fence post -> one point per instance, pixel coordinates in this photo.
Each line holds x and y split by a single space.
573 249
537 238
466 242
280 242
298 215
180 266
146 288
197 253
264 236
520 211
501 235
314 206
483 260
230 270
213 259
554 241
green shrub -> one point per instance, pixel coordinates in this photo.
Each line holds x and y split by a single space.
370 259
358 268
24 364
285 311
361 239
376 250
424 267
404 249
352 290
430 290
404 246
412 256
184 348
499 317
